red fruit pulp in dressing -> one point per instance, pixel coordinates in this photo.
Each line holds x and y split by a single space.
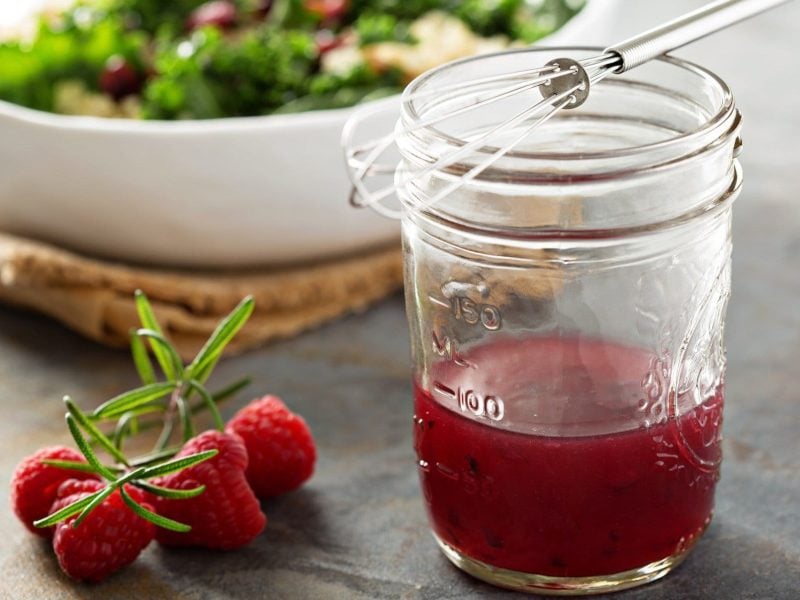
569 482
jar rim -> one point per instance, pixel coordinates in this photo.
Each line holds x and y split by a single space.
593 236
715 121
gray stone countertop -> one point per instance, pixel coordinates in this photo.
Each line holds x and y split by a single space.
358 529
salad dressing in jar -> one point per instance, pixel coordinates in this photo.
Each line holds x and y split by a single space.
566 310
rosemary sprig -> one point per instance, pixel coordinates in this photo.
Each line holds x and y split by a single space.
170 399
78 423
128 412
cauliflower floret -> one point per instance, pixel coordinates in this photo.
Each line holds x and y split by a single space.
440 38
341 60
72 98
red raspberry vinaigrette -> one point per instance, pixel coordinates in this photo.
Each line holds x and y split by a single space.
599 492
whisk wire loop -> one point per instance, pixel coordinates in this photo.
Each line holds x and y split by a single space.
557 102
372 198
566 83
358 168
563 82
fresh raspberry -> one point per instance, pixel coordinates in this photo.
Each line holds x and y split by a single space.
279 444
111 536
227 514
34 484
218 13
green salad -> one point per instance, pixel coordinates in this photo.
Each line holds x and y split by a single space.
190 59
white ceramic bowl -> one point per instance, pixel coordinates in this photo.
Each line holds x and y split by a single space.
217 193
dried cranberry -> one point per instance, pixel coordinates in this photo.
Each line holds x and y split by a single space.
219 13
119 79
262 8
328 10
326 41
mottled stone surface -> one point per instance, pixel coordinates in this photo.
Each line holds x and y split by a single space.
358 529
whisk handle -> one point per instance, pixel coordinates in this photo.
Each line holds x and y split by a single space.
686 29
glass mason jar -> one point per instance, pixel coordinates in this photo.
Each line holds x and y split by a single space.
566 310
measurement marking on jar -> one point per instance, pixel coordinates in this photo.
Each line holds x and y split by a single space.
444 346
438 301
444 390
466 309
485 406
471 312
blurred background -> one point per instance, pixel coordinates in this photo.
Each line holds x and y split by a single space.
195 139
191 139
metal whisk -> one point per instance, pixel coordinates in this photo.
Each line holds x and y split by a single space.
564 83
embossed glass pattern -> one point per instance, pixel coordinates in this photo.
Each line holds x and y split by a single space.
566 312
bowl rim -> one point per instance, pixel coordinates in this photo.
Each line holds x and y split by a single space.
588 14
